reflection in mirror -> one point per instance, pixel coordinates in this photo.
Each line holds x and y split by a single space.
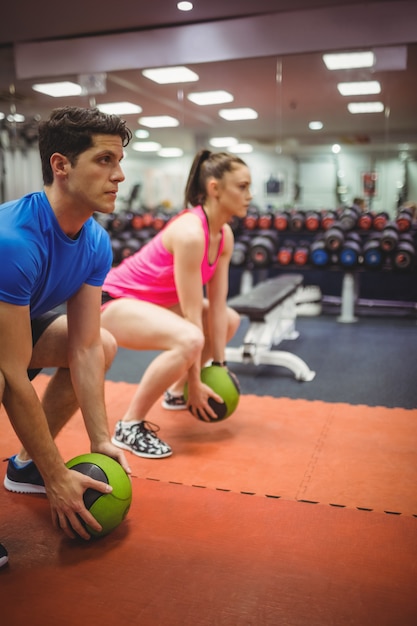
304 146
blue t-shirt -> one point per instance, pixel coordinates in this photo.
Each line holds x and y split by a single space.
39 264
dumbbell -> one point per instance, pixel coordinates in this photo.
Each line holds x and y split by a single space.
117 223
148 219
301 253
262 248
380 220
328 218
405 253
285 252
373 255
404 219
159 220
365 220
265 220
348 217
129 247
334 237
136 221
296 221
319 254
281 220
312 220
250 221
351 250
389 237
240 251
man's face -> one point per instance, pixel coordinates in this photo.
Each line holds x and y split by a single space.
94 180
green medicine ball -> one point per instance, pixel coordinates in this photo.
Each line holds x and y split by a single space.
109 509
225 384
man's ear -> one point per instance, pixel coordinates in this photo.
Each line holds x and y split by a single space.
59 164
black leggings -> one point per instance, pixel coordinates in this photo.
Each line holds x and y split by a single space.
39 325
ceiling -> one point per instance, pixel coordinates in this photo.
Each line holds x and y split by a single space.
250 42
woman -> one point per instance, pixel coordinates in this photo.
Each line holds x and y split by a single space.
171 297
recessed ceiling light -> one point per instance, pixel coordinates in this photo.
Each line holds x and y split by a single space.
146 146
348 60
185 6
159 121
58 90
238 114
364 88
241 148
210 97
315 125
119 108
223 142
168 75
141 133
365 107
15 117
170 152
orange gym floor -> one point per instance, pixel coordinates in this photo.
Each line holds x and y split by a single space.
291 512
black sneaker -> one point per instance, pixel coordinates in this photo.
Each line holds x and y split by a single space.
140 439
173 402
4 557
25 479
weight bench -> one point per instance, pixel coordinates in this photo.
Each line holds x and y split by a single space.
271 309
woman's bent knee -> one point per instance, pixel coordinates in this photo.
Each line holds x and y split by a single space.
191 343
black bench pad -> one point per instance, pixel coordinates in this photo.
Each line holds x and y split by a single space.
265 296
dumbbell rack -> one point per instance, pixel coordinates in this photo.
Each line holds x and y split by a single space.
268 255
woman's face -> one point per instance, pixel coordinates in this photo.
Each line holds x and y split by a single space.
234 194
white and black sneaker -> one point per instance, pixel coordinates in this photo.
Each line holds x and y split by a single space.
173 402
140 438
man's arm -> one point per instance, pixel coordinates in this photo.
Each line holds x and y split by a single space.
86 364
63 486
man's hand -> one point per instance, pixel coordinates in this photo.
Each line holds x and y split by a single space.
67 506
114 452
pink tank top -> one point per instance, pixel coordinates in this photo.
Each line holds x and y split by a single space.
149 273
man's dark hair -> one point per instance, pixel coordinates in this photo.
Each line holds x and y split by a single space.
70 131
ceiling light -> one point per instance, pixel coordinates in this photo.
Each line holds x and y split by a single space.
170 152
364 88
336 148
119 108
185 6
210 97
141 133
222 142
159 121
146 146
58 90
241 148
348 60
15 117
315 125
238 114
365 107
167 75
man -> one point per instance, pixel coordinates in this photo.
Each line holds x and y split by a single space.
53 252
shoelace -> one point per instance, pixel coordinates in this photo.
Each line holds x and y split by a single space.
145 425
